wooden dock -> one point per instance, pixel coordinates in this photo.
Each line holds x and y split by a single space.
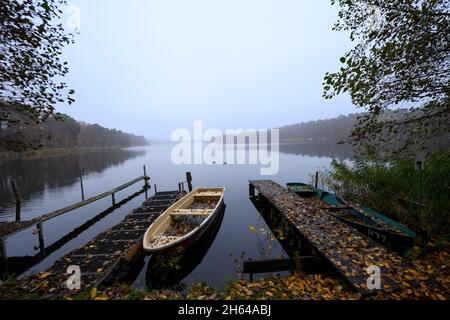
11 228
349 251
98 258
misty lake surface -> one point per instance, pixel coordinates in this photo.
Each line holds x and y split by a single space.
47 184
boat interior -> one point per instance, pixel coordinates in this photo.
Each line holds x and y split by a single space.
184 216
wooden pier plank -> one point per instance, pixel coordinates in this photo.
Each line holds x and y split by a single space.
349 251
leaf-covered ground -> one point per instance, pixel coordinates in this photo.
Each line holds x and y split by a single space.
318 287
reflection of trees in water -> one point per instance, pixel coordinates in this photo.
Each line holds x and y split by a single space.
318 149
35 175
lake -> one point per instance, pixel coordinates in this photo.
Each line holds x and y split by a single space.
47 184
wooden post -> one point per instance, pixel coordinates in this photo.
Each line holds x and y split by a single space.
18 201
3 249
146 178
4 256
81 183
251 190
298 263
317 179
189 180
251 273
41 239
18 206
113 197
156 189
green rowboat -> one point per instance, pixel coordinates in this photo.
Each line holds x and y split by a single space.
368 221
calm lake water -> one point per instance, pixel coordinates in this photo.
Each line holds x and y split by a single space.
47 184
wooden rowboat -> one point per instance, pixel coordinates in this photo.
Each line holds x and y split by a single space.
366 220
185 221
168 268
302 189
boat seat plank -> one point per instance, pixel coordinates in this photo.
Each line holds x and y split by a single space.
191 212
208 194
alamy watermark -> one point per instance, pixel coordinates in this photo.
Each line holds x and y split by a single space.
375 18
74 280
374 280
216 147
73 21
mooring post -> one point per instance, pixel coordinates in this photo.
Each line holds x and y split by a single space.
420 160
189 180
113 198
251 190
156 189
317 179
41 238
3 249
81 183
146 178
4 256
18 201
298 263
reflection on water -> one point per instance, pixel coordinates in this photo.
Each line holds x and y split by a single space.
48 184
34 176
320 149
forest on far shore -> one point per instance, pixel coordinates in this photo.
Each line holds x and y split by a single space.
67 132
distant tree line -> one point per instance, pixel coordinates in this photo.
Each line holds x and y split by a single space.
62 131
338 130
330 130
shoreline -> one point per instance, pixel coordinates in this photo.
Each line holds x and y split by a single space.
53 152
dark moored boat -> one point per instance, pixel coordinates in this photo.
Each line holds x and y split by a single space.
368 221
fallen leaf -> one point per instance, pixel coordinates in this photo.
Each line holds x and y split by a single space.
93 292
44 275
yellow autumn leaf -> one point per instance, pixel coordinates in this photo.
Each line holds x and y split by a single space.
228 298
44 275
268 293
93 292
252 229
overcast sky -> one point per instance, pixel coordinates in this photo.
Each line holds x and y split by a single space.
151 66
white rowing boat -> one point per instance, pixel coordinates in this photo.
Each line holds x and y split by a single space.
185 221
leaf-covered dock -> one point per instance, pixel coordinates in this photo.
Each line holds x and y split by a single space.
350 252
